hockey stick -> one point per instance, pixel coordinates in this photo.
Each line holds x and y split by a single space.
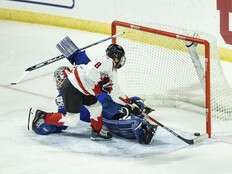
57 58
198 139
151 120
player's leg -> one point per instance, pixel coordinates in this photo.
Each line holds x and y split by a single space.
68 100
132 127
87 106
98 130
73 104
60 76
46 123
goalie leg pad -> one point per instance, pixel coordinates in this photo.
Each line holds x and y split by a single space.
111 110
123 128
45 129
132 128
145 132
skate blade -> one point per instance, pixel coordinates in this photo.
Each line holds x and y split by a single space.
31 113
100 139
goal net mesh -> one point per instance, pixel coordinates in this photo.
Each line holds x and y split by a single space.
159 68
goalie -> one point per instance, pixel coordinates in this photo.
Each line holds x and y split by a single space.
86 96
126 121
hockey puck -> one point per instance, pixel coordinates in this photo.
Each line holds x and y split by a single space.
197 134
13 83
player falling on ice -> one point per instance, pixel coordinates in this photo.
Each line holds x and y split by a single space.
85 90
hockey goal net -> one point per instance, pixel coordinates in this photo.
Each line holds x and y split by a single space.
161 69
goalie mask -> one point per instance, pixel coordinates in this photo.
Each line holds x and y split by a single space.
60 75
117 53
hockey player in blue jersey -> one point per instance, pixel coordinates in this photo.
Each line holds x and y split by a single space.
128 120
124 119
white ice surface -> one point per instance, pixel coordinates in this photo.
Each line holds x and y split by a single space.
23 152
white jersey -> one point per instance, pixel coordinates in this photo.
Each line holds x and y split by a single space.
85 77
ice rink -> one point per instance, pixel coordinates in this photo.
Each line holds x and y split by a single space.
23 152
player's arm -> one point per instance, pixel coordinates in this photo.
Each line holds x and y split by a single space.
103 85
136 105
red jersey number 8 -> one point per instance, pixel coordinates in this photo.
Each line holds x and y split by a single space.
97 65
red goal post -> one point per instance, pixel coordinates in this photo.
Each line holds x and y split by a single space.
204 43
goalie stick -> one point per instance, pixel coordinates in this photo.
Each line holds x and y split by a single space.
57 58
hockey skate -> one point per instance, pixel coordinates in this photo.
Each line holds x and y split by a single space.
103 135
37 120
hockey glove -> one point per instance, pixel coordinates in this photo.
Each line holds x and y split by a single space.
122 114
134 109
134 104
79 58
104 85
140 106
138 102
